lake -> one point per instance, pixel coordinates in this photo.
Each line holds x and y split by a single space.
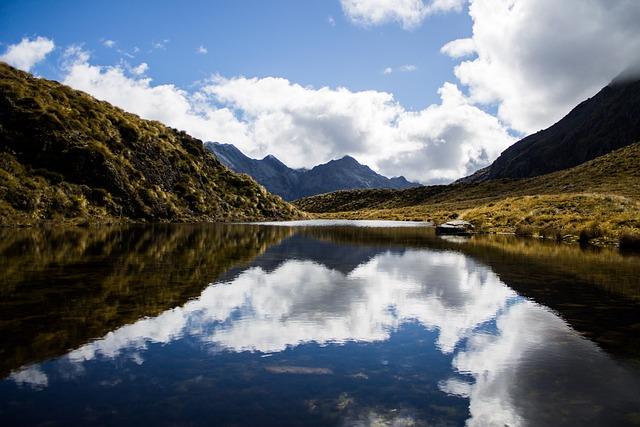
315 324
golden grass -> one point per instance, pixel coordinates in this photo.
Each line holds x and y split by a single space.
599 199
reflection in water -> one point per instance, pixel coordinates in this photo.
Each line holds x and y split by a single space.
302 301
60 288
379 335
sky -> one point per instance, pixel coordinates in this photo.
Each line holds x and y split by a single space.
429 89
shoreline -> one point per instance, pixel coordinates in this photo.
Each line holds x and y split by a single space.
605 241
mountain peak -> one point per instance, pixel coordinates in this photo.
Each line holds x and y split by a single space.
348 158
270 158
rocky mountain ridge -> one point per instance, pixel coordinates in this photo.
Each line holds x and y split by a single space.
345 173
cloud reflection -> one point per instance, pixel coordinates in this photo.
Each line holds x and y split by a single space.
302 301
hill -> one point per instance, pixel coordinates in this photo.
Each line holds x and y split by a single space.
342 174
65 156
597 126
602 195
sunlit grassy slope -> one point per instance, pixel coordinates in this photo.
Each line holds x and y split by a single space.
65 156
601 196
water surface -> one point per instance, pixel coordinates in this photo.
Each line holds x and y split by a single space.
313 324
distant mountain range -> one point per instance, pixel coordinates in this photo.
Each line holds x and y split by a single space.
606 122
291 184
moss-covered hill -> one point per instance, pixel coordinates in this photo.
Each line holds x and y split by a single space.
65 156
603 193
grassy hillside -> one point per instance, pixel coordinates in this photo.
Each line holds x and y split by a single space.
601 196
65 156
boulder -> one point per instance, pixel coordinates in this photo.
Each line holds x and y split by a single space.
455 227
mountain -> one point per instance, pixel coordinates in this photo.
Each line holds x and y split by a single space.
342 174
347 173
599 125
270 172
65 156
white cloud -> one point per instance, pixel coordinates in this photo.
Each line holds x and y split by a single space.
533 72
409 13
408 68
30 376
331 21
202 50
159 45
140 69
109 43
166 103
28 52
459 48
450 140
74 54
537 59
304 126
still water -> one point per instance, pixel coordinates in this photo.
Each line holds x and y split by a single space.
315 324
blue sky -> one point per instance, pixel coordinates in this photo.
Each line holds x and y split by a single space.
286 38
306 81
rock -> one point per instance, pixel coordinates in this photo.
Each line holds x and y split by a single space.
455 227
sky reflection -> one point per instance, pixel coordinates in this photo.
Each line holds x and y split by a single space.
509 357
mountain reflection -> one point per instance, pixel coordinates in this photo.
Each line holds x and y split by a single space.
504 348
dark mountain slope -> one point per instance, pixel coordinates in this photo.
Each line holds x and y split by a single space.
65 155
270 172
599 125
343 174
